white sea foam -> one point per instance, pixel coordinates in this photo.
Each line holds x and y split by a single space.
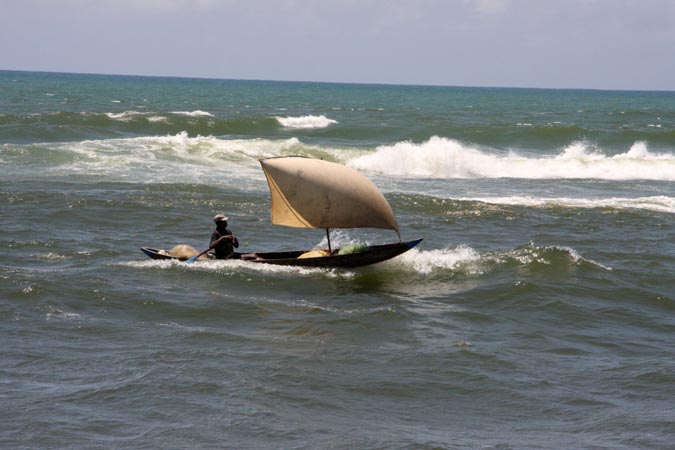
237 266
198 159
657 203
127 116
427 261
306 121
577 258
446 158
124 116
196 113
171 158
56 313
541 255
51 256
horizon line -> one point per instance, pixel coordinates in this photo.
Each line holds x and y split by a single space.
361 83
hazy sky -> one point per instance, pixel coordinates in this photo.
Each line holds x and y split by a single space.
604 44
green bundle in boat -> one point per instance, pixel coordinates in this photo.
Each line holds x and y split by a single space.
352 248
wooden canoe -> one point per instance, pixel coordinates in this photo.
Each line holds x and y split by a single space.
365 256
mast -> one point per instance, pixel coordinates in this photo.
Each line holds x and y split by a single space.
328 237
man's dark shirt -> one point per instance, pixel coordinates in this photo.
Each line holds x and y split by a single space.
225 249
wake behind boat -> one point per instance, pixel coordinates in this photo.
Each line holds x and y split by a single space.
313 193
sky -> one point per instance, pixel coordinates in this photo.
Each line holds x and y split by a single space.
594 44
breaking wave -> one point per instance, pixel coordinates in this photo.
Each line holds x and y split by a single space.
658 203
202 159
306 122
427 261
447 158
196 113
127 116
553 256
124 116
464 261
172 158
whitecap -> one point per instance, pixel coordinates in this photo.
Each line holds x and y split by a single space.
543 255
447 158
237 266
196 113
427 261
172 158
58 314
51 256
306 121
123 116
658 203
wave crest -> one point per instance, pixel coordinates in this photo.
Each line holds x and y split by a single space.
658 203
196 113
171 158
427 261
306 121
447 158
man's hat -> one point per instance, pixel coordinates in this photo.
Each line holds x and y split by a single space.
220 218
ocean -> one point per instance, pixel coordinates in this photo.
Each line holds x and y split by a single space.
538 312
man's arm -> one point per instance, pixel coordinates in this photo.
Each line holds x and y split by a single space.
215 238
235 241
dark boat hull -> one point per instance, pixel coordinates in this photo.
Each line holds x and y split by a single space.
156 253
369 255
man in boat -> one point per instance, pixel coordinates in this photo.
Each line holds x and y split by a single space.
222 240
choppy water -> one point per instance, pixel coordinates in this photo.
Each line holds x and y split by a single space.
537 313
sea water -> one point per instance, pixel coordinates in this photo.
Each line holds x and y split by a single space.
538 312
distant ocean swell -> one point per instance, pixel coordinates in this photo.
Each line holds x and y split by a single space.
68 125
60 126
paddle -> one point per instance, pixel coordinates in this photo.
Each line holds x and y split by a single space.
194 258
